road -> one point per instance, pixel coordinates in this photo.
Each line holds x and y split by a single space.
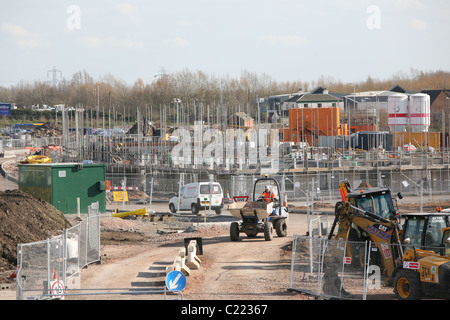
6 184
248 269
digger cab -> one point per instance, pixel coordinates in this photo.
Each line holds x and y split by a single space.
426 230
376 200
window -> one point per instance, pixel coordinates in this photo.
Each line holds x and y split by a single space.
204 189
414 232
433 234
378 204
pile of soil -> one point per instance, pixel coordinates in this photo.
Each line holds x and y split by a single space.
24 219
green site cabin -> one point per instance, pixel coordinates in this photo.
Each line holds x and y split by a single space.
62 184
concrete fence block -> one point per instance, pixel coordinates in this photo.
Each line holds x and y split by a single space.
193 261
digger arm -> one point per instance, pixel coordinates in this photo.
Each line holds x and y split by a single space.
344 189
382 232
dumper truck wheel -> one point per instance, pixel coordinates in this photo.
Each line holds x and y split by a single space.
234 231
268 231
281 227
407 285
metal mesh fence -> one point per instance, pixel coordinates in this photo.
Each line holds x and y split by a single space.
368 271
46 268
423 183
326 268
311 174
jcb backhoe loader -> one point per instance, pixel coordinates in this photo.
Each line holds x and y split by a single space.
413 272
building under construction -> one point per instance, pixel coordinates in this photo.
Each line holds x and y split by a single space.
309 155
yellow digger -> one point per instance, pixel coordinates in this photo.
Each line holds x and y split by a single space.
412 270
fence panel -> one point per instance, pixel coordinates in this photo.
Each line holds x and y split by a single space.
306 264
337 269
60 258
334 269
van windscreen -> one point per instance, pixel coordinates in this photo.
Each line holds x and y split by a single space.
204 189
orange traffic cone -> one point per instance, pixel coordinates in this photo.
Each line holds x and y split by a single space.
285 204
14 274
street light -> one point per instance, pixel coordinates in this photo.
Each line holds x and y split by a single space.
176 100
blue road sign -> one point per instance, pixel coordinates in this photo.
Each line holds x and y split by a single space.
175 281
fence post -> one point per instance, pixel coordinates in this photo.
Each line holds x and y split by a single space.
47 290
19 290
322 247
64 257
294 245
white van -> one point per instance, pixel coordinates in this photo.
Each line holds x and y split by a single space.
198 196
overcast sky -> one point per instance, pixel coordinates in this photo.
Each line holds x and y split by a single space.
285 39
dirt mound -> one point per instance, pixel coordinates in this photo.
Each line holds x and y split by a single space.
24 219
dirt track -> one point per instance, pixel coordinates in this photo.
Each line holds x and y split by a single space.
135 255
251 268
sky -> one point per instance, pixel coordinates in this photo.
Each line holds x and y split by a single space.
289 40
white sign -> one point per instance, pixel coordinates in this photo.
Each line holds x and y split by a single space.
57 289
411 265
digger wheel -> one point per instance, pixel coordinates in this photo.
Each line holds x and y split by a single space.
234 231
268 231
407 285
281 227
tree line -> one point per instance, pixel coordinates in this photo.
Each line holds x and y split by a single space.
195 88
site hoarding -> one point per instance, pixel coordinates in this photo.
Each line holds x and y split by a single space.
5 109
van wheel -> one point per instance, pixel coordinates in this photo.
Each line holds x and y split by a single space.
218 211
194 209
172 208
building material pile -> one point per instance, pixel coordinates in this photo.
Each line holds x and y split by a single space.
48 129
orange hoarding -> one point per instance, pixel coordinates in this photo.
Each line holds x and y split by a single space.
317 121
307 124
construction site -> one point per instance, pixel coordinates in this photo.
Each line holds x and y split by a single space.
310 151
308 154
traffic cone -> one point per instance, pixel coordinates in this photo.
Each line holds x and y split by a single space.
285 204
14 274
228 196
